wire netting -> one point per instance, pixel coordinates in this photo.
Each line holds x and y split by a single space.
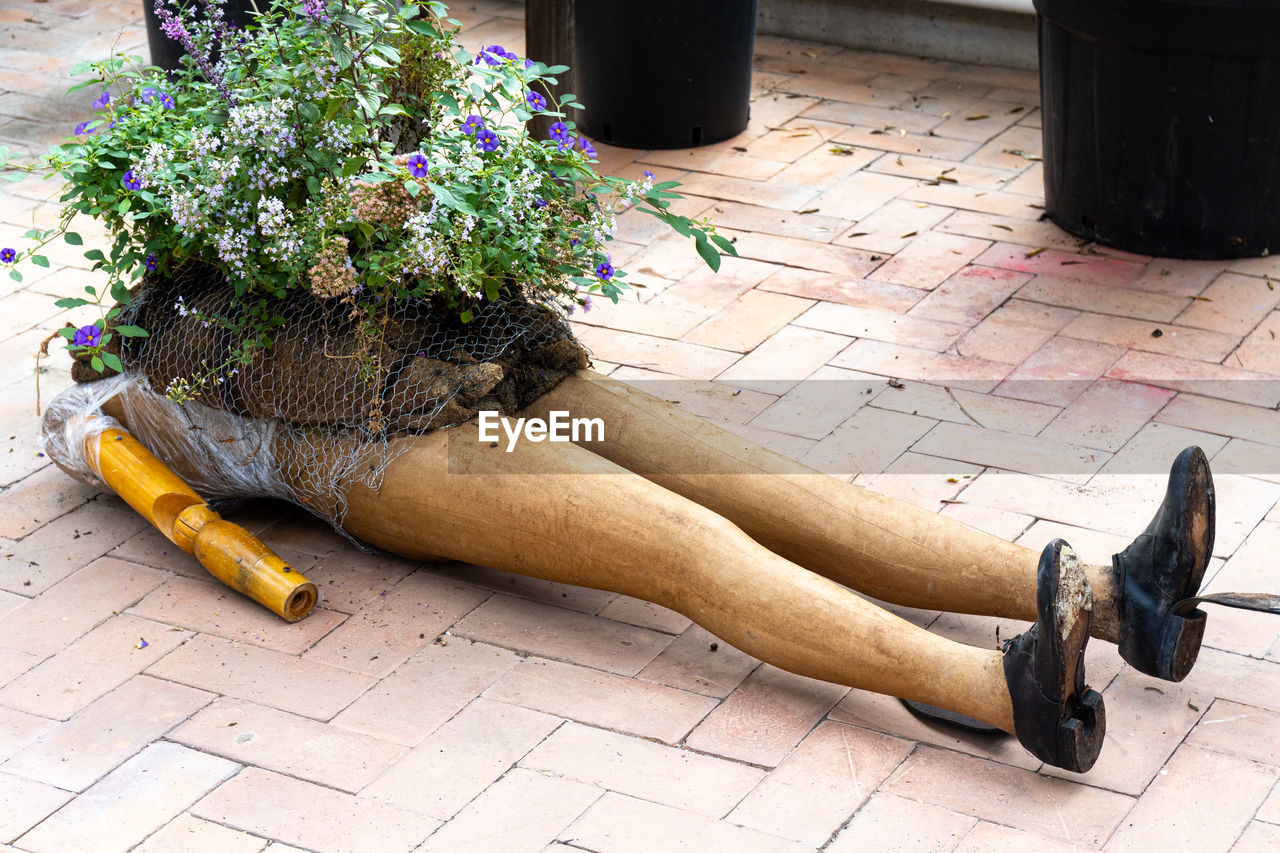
334 376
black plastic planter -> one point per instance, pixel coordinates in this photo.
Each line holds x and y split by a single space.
167 53
1162 123
664 73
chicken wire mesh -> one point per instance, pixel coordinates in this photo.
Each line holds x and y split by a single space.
323 407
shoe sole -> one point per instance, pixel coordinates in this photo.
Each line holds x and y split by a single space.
1080 733
1183 633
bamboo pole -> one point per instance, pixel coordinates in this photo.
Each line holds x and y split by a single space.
231 554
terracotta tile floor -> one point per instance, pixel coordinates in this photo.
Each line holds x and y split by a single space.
888 215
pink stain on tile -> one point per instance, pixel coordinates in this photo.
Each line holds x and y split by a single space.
930 259
1095 269
969 295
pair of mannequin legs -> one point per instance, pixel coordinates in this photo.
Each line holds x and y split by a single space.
763 552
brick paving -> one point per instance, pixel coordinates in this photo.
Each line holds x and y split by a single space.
888 215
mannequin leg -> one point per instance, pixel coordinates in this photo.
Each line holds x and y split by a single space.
886 548
601 526
596 524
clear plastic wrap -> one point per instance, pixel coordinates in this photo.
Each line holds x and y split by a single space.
219 454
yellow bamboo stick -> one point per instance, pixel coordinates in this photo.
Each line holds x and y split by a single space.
231 554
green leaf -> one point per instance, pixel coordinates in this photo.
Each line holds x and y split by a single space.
73 238
131 331
95 255
725 244
412 188
452 201
113 361
708 253
71 302
681 225
359 25
119 292
40 260
96 363
15 275
368 102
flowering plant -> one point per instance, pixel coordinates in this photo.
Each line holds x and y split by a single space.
349 148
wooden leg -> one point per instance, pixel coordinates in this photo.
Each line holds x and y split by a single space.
886 548
448 494
599 525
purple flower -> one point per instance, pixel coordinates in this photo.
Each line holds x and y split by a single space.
473 125
418 164
132 181
152 261
83 129
586 304
166 101
487 140
494 54
647 174
566 143
314 9
539 203
172 26
559 130
103 100
149 94
7 255
588 149
535 101
605 271
87 336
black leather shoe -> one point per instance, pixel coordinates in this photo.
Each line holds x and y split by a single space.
1055 715
1163 567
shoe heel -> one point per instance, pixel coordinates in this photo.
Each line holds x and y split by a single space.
1180 644
1080 737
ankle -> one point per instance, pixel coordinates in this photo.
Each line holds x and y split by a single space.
1106 603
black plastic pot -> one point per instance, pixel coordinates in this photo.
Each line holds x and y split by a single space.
1162 123
167 53
664 73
